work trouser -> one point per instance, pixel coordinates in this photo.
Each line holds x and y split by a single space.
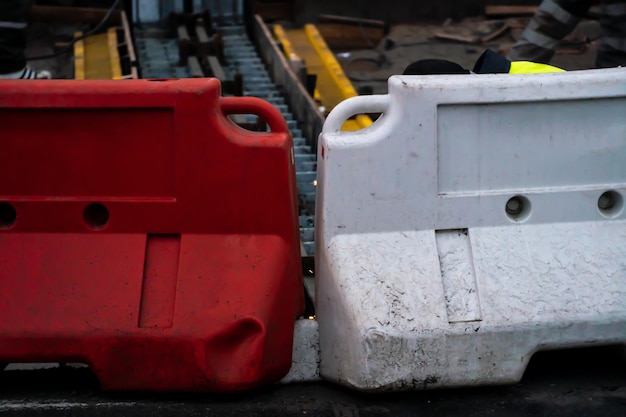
555 19
13 21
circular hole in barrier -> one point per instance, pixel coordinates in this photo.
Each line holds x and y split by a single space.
96 216
610 203
8 215
518 208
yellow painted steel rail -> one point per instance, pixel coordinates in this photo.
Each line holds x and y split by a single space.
332 85
97 58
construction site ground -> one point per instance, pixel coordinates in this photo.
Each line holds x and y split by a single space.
370 66
406 43
575 383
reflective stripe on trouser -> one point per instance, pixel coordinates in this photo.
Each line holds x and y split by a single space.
612 48
13 18
553 20
13 25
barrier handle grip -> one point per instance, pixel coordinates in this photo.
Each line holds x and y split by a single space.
355 105
256 106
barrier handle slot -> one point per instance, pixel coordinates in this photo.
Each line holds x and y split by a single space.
354 105
258 107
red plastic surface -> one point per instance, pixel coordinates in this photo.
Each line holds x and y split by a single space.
143 233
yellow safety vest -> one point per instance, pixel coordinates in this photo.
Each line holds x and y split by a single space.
526 67
492 63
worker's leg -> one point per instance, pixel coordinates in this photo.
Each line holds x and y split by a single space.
553 20
14 15
13 23
612 49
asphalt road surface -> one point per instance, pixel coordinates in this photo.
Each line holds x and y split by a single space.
578 383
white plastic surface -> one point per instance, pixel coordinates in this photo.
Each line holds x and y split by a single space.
306 353
423 278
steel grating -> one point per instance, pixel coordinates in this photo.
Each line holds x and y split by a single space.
242 57
158 57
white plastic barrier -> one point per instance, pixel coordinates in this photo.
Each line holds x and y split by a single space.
479 220
306 357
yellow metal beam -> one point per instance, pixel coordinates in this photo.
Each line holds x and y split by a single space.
281 36
363 121
97 58
332 84
79 57
342 83
114 55
290 53
334 68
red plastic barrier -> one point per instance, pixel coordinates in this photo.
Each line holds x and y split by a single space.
143 233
